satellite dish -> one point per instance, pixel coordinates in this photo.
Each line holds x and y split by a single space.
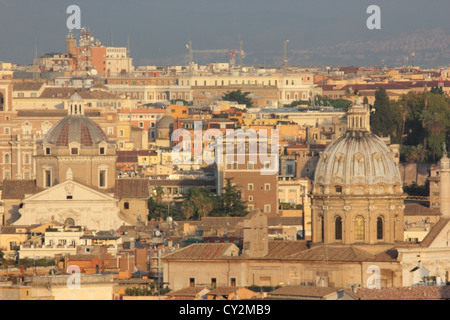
94 72
157 233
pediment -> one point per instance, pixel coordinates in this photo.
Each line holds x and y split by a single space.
69 190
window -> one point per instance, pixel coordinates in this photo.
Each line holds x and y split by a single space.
191 282
233 282
250 198
213 283
74 151
102 150
250 166
379 228
126 205
250 186
267 186
6 130
338 190
47 178
267 208
338 228
69 197
47 150
27 158
102 179
235 166
359 228
250 207
7 158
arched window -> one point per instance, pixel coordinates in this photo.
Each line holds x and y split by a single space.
359 228
379 228
338 228
7 158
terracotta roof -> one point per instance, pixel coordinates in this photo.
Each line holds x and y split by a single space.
225 291
12 229
187 292
202 251
434 232
404 293
343 253
27 86
415 209
132 188
285 249
304 291
17 189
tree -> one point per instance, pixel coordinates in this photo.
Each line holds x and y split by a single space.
199 202
239 97
156 210
381 120
230 203
436 121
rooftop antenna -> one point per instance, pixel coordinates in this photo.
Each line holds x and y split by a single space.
111 43
128 45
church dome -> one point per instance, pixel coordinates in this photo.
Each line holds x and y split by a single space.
358 156
165 122
75 128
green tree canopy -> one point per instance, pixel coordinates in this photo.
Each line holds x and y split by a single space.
381 120
239 97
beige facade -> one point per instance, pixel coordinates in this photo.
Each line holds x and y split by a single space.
73 287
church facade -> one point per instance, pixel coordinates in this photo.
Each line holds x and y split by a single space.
75 176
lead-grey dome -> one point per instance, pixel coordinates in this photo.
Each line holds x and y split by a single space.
358 156
75 128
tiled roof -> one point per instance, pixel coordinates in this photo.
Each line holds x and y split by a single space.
415 209
404 293
304 291
201 251
338 253
224 291
434 232
27 86
17 189
285 249
187 292
132 188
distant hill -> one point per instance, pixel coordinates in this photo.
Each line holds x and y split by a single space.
431 47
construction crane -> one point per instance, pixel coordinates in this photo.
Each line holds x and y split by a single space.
231 52
285 60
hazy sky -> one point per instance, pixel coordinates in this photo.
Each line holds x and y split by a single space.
159 29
